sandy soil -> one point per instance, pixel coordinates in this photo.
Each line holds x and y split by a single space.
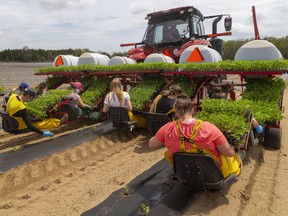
76 180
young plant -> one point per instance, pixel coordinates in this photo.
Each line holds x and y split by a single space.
145 208
126 190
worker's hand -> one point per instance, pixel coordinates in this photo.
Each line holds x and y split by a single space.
89 107
47 134
259 129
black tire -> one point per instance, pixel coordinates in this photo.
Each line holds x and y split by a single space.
272 138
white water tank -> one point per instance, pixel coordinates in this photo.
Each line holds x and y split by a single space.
65 60
258 50
157 57
199 53
93 59
119 60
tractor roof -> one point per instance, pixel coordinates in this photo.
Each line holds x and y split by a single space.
174 12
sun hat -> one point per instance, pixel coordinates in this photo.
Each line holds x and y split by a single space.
78 85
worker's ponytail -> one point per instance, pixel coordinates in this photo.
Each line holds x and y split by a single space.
115 87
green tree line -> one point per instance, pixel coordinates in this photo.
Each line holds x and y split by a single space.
40 55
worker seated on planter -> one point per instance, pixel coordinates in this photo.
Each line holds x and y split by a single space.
118 98
164 102
188 134
42 89
78 105
16 109
20 89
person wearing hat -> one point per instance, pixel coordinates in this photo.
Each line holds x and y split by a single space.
20 89
16 108
75 100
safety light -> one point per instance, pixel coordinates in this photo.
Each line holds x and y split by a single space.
190 10
182 11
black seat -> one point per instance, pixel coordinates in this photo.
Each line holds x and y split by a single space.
120 118
200 171
156 120
10 124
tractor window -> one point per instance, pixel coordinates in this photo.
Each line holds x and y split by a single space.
198 28
168 31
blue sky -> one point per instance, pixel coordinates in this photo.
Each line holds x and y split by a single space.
103 25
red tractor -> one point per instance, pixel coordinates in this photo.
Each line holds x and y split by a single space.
171 31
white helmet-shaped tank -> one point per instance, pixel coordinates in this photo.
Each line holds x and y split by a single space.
93 59
157 57
258 50
119 60
199 53
65 60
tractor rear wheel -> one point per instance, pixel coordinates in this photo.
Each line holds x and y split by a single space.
272 138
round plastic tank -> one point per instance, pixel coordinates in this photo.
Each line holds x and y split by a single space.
119 60
258 50
157 57
65 60
199 53
93 59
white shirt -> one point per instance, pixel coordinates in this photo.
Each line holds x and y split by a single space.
114 101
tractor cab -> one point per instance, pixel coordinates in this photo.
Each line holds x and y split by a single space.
172 31
173 27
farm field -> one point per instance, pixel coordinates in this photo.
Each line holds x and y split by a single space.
77 179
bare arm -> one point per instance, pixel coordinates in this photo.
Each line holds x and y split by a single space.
254 123
81 103
105 108
226 149
129 105
154 143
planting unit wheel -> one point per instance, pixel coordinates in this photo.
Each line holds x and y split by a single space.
272 138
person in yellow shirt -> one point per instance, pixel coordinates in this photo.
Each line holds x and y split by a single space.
16 109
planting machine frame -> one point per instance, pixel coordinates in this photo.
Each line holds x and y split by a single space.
199 94
194 175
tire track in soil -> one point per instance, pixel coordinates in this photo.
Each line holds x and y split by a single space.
24 185
261 188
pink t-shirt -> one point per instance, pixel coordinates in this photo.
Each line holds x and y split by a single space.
208 137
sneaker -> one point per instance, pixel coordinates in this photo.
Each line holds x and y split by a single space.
64 119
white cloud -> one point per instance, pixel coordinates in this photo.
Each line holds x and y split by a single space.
104 25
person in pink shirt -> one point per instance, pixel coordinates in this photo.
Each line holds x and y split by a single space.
188 134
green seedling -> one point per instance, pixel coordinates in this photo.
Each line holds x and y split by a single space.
145 208
126 190
16 148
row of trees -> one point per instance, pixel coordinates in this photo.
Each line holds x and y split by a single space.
33 55
41 55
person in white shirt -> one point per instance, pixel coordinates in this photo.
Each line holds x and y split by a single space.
116 97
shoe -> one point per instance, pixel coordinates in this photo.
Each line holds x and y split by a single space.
64 119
